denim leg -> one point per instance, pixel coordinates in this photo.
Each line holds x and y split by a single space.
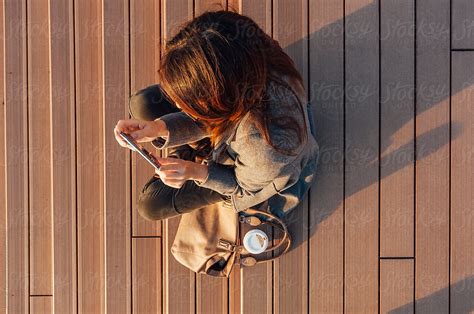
155 200
149 103
159 201
190 197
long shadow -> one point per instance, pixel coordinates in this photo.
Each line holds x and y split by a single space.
464 286
362 110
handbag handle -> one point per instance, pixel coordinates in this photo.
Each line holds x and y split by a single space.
249 216
251 219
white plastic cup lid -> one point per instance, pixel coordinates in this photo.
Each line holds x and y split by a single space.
256 241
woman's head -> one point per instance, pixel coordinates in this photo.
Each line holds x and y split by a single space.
217 68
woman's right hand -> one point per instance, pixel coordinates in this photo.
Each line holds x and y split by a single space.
141 130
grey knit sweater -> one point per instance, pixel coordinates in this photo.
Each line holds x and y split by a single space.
244 166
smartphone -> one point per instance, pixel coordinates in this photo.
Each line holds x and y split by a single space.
141 150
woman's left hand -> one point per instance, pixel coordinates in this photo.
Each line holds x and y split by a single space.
175 172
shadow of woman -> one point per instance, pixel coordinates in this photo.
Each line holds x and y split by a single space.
348 105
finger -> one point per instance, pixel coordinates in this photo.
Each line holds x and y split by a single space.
121 141
138 135
128 129
169 167
128 125
173 175
136 130
119 138
168 160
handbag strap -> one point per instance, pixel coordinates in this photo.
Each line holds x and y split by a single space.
248 259
249 216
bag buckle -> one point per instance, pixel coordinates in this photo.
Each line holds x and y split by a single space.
226 245
227 203
248 261
250 220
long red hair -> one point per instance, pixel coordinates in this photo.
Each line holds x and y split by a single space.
218 67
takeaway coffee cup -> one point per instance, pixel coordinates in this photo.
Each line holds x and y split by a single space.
255 241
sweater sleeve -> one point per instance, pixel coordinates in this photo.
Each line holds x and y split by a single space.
256 165
182 130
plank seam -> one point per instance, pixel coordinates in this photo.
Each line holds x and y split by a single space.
75 149
379 150
273 291
344 155
130 157
449 167
27 158
308 229
164 239
414 157
5 156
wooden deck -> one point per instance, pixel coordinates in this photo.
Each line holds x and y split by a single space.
387 227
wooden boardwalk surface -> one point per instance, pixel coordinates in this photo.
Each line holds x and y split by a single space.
388 226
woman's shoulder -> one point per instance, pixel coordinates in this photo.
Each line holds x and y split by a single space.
283 103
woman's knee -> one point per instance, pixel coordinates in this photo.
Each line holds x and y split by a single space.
155 201
153 212
150 103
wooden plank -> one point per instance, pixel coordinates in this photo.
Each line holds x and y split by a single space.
117 166
236 5
211 293
16 156
326 247
290 29
250 289
41 233
145 37
178 282
236 291
174 14
462 24
146 274
361 157
432 159
462 183
397 129
90 156
200 6
259 11
3 168
396 285
63 144
41 304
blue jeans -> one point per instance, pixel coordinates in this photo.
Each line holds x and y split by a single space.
158 200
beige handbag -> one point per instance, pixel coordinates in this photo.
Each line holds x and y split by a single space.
208 240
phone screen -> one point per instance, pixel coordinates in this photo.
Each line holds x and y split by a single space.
141 150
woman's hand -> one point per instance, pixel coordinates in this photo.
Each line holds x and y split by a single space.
140 130
175 172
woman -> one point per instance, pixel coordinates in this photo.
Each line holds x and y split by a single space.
229 90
